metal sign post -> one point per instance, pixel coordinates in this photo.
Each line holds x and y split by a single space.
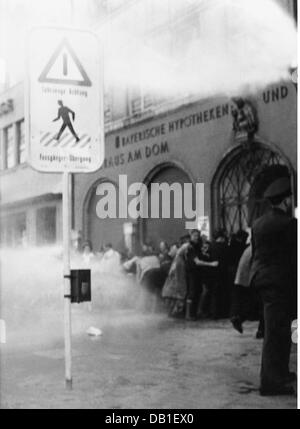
65 123
67 278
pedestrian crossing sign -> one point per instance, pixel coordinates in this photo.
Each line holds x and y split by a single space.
64 67
64 101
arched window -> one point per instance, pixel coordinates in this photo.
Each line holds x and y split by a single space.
239 184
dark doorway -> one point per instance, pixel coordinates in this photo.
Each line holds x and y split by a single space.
171 229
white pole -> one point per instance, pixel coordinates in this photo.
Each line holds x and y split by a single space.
67 279
2 332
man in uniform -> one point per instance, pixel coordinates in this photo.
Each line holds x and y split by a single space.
273 274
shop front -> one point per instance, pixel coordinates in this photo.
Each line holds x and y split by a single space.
229 145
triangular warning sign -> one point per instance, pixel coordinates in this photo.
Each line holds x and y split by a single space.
65 68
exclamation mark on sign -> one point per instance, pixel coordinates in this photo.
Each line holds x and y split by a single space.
65 64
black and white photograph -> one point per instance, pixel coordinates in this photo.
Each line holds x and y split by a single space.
148 207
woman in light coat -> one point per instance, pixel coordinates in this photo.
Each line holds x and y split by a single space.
175 288
245 297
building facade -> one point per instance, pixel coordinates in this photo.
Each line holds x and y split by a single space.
196 143
226 144
30 202
153 139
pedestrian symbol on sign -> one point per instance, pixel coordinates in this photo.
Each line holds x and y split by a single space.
64 113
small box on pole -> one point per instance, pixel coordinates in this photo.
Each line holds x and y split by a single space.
80 286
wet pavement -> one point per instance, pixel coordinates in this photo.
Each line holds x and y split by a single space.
139 361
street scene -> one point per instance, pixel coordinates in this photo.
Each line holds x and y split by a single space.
148 204
139 361
123 357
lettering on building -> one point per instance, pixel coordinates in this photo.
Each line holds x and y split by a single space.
275 94
162 129
147 152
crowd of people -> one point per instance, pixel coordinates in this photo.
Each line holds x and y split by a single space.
194 277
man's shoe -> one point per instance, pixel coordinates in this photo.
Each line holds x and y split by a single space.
201 316
259 335
237 324
290 377
277 391
191 318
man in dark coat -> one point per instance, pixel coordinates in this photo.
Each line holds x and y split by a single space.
194 277
220 293
273 274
